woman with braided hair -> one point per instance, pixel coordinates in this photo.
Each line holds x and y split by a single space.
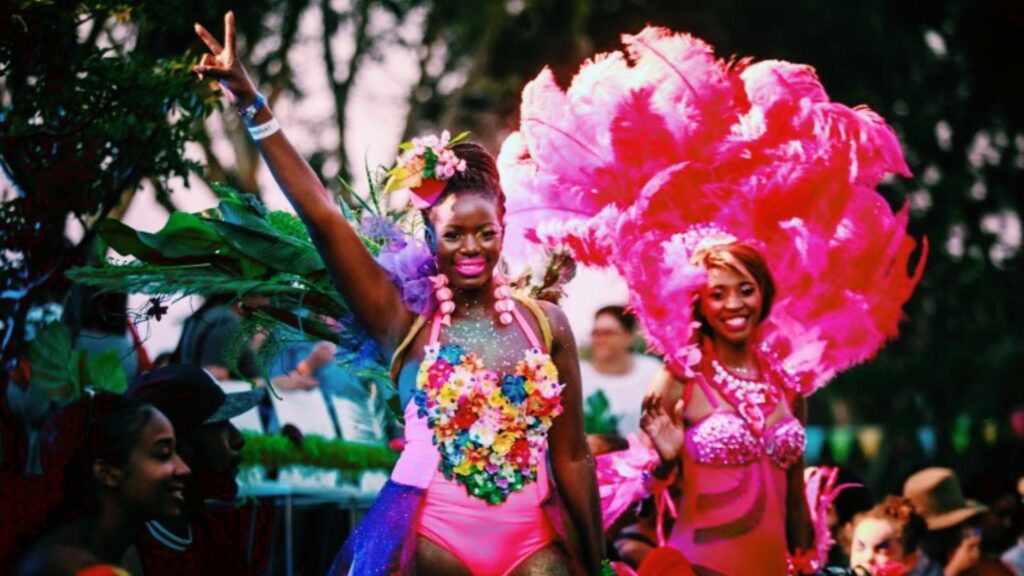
488 382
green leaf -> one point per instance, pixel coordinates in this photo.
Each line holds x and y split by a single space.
265 246
252 268
188 235
76 367
462 136
184 236
106 373
127 242
50 354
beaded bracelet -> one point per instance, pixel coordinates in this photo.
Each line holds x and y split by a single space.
264 130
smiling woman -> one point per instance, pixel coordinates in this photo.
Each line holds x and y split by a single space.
735 424
490 392
118 466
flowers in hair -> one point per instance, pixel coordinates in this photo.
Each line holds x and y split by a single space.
490 428
424 166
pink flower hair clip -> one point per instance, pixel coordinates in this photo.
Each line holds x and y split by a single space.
424 167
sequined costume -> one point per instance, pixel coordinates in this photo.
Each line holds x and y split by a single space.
420 500
734 490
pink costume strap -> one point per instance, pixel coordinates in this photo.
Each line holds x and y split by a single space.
527 329
707 390
687 390
664 504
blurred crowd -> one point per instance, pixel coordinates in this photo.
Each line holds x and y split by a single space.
140 480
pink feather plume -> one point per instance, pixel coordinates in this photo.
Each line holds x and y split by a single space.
662 138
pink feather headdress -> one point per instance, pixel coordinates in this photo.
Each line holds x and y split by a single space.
650 148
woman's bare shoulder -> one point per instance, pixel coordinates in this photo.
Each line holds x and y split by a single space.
54 558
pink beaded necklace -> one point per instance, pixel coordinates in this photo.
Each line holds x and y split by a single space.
754 400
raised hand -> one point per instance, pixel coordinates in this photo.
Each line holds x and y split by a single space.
295 381
665 430
223 65
322 355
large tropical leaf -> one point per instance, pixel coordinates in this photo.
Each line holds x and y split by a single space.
106 373
50 356
282 253
184 237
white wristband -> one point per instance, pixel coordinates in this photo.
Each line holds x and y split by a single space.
264 130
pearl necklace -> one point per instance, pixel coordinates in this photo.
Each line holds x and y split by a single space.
754 400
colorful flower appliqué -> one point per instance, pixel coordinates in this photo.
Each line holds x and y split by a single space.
491 429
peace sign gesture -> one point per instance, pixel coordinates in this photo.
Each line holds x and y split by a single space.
223 65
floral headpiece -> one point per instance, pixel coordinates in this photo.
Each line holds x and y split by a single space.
424 166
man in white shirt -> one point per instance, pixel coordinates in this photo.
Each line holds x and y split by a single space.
614 371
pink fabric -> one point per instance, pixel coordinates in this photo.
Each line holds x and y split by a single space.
623 478
734 492
419 453
489 540
732 518
723 438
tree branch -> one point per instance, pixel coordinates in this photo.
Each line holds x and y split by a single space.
341 88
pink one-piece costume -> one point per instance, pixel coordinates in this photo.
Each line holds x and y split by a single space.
732 510
490 540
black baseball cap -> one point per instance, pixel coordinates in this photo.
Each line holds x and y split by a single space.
190 396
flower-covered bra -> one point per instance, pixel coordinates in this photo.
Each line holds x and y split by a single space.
490 428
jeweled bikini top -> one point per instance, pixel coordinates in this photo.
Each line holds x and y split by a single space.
725 438
490 428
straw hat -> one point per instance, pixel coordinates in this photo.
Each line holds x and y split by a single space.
937 498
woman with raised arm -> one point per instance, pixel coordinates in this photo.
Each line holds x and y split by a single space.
489 381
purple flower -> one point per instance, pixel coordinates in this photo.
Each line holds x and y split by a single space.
381 229
409 266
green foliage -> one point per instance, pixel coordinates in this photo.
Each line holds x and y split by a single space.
276 451
237 250
61 372
51 358
85 117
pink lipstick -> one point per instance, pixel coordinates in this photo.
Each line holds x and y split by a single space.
471 267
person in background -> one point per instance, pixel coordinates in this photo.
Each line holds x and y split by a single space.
952 544
205 338
614 370
114 465
306 364
850 502
206 538
886 537
1014 557
99 323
